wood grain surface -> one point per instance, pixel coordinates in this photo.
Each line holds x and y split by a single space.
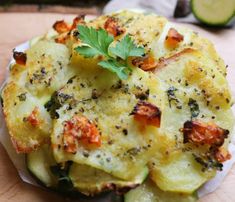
17 28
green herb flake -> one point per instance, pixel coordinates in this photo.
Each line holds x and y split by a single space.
22 97
194 108
172 98
207 162
56 102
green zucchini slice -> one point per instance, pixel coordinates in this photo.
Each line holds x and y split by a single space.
39 163
213 12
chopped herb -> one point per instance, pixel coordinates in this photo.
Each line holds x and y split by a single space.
38 75
108 159
94 94
97 43
143 95
71 80
194 108
82 85
133 151
85 153
22 97
56 102
171 96
208 162
117 127
125 131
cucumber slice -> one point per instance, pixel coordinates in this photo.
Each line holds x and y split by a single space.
39 163
91 181
213 12
149 192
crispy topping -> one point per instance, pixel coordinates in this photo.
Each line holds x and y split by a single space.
173 38
145 63
61 26
62 38
222 155
112 27
33 117
147 113
20 57
66 30
79 128
165 61
78 20
204 133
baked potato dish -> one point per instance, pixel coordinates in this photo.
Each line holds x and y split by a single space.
126 102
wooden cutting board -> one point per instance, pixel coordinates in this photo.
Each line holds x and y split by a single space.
18 28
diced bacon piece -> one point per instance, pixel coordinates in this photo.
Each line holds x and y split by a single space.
61 26
112 27
20 57
33 117
145 63
147 114
173 38
79 128
201 133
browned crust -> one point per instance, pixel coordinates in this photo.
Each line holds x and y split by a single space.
201 133
20 57
112 27
147 114
173 38
165 61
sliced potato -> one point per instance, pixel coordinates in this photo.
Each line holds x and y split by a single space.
91 181
18 106
126 145
149 192
179 173
184 77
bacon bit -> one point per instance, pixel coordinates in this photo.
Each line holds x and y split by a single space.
165 61
61 26
76 21
112 27
20 57
62 38
222 155
147 113
173 38
145 63
33 117
204 133
80 128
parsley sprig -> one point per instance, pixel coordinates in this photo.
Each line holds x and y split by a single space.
98 42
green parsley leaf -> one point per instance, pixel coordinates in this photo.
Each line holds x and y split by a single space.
86 51
126 48
115 67
98 41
